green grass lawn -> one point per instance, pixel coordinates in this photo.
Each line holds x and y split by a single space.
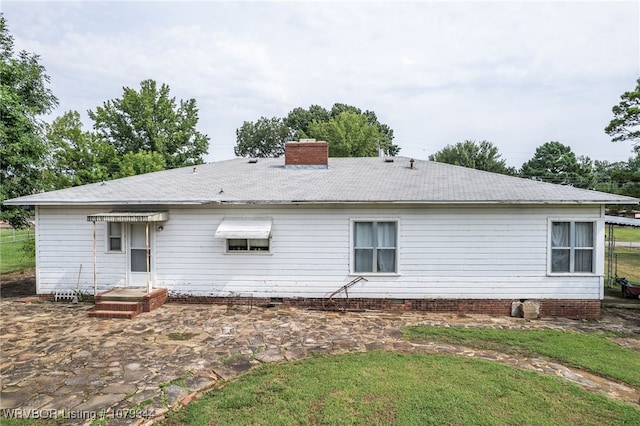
14 258
626 234
379 388
594 352
8 235
628 263
627 258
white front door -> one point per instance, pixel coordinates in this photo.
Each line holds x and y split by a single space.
140 268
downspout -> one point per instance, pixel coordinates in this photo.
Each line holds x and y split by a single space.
95 276
148 260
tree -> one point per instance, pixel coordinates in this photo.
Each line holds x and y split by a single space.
137 163
76 157
625 125
556 163
264 138
151 121
300 121
24 97
385 133
476 155
348 135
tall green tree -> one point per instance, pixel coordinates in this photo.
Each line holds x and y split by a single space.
24 98
150 120
625 125
348 135
76 157
301 120
137 163
482 155
556 163
264 138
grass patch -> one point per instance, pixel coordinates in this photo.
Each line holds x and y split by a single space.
16 249
590 351
628 263
10 235
379 388
626 234
181 336
14 257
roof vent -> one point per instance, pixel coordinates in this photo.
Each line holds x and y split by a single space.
411 163
195 170
388 159
253 160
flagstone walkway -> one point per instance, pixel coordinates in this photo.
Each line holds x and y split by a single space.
57 361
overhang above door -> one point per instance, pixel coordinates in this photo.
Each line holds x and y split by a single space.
129 217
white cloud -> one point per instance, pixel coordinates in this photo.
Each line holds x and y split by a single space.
516 73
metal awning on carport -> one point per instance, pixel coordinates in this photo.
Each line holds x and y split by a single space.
611 222
244 229
129 217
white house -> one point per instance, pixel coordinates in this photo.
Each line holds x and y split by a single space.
424 235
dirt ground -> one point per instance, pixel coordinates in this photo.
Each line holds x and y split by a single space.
18 284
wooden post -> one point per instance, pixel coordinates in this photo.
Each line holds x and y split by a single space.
148 260
95 276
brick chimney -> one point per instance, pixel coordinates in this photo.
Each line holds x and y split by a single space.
306 154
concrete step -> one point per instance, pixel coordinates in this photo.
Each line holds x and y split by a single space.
114 314
118 306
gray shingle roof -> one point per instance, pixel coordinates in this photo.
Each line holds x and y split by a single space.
349 180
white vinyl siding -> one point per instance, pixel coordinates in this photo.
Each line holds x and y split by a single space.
441 252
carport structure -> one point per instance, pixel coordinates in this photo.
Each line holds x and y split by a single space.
611 222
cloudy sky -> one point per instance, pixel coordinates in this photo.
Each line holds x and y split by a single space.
516 73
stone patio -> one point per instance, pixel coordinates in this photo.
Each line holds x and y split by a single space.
59 361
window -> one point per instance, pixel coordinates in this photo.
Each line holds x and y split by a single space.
374 247
114 236
247 244
139 253
572 247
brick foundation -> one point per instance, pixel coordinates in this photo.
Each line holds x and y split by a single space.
154 300
575 309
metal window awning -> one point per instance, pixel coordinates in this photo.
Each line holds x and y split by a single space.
129 217
244 229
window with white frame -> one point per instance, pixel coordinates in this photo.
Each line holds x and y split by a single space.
375 246
572 247
114 236
247 244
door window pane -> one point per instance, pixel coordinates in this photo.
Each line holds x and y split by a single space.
138 260
138 236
